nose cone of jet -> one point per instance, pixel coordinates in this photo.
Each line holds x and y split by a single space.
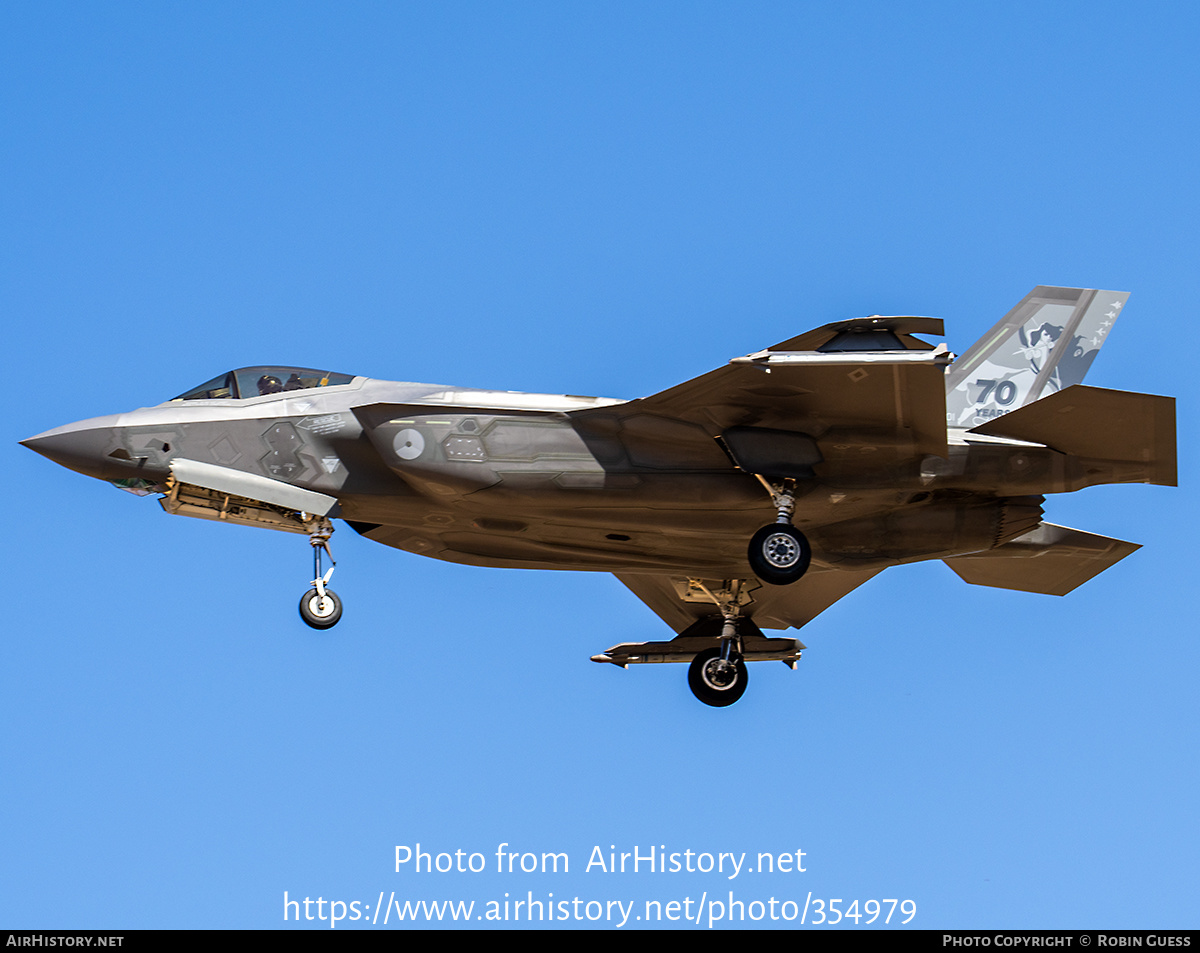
84 447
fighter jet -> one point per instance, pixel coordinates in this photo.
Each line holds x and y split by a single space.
752 497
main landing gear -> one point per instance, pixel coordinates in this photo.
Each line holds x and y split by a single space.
779 553
718 646
718 676
320 607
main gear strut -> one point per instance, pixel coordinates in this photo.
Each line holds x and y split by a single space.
718 676
779 553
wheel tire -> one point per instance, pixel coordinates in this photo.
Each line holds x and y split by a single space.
779 554
706 682
317 614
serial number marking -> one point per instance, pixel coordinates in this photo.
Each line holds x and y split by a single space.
830 911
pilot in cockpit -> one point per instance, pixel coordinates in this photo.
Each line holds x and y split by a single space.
269 384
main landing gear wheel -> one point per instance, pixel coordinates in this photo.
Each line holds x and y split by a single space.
716 681
779 554
321 612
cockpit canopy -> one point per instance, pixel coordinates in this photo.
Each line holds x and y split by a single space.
262 381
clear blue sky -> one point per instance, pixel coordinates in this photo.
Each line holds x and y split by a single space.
591 198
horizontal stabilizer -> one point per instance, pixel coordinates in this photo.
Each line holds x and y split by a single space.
1099 424
1049 559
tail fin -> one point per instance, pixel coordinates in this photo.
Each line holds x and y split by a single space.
1046 343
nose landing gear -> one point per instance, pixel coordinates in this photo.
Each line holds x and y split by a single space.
320 611
320 607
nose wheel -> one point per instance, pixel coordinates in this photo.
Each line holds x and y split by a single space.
320 611
320 607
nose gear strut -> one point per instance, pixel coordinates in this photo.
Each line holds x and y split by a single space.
320 607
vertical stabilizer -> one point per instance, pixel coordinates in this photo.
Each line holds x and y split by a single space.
1046 343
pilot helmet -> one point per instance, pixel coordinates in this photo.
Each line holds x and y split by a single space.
269 384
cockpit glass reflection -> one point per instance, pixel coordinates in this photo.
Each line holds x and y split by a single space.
263 381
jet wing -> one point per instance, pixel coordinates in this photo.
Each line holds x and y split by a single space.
680 601
894 399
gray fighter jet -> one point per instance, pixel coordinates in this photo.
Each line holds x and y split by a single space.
750 498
